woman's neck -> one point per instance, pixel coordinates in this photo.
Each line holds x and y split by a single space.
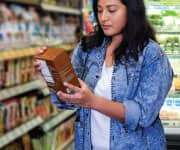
114 44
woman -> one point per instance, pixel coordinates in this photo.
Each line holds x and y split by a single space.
124 79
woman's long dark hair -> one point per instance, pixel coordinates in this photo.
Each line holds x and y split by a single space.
136 33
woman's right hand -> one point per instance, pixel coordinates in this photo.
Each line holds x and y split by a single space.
36 63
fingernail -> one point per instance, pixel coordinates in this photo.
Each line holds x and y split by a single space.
58 93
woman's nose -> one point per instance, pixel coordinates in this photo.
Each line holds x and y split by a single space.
104 16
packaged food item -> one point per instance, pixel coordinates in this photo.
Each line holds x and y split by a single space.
26 142
176 83
57 69
1 121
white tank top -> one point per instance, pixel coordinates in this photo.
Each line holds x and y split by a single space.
100 123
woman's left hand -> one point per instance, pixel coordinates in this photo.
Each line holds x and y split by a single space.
82 96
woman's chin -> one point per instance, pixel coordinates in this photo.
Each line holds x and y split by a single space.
109 33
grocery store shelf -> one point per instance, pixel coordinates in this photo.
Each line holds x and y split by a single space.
45 91
19 131
177 75
172 55
18 53
162 3
171 123
20 89
68 47
35 122
60 117
61 9
32 2
168 32
172 131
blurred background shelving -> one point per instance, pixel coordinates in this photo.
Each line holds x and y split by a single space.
28 119
164 15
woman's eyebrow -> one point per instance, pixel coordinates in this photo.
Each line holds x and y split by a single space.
110 5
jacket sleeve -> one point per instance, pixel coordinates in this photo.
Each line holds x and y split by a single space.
76 61
155 81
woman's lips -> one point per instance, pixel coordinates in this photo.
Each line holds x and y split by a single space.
106 27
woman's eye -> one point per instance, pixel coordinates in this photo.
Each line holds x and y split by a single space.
112 10
99 11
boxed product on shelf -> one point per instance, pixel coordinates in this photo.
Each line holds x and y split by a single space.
69 27
41 110
16 145
44 142
28 27
17 111
175 61
171 108
25 115
57 138
176 83
64 134
1 121
2 73
10 114
75 4
26 142
16 70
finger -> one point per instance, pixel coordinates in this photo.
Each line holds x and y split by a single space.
37 66
61 98
42 50
38 69
36 63
82 83
72 87
64 96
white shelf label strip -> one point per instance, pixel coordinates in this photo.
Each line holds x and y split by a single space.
172 131
60 9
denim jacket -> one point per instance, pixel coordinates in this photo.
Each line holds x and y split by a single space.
140 85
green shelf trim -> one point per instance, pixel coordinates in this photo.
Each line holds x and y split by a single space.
168 32
56 120
19 131
20 89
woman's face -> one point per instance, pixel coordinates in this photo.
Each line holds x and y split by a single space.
112 16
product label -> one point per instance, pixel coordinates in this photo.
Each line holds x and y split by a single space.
66 74
46 72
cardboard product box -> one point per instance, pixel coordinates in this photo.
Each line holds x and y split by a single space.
56 69
176 83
